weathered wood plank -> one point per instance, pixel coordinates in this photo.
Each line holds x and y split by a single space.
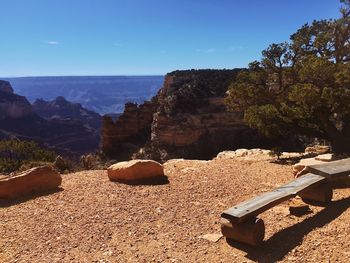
332 170
265 201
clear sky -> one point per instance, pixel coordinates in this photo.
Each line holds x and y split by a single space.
133 37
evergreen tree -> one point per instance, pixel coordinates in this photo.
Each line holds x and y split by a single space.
301 86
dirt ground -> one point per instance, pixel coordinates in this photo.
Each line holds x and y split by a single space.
94 220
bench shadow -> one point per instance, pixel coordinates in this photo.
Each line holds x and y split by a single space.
159 180
281 243
10 202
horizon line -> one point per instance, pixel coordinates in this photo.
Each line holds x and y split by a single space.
74 76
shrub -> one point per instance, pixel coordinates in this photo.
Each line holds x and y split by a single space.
276 151
192 87
15 154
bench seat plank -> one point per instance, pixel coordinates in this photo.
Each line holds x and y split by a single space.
265 201
332 170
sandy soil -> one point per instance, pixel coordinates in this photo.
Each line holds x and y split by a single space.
95 220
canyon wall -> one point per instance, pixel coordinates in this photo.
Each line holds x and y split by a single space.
18 119
188 118
131 130
12 105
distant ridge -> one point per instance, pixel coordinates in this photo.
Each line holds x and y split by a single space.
71 131
102 94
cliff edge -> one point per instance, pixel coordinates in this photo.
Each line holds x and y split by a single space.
188 118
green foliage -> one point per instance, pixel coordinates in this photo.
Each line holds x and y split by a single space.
301 87
191 87
276 151
16 155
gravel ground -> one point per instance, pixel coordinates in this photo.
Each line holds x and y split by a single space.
95 220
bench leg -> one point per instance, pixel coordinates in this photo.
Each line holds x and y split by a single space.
321 194
250 232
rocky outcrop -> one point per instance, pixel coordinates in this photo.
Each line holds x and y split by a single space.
135 170
201 134
188 118
131 129
6 87
35 180
64 135
12 105
60 108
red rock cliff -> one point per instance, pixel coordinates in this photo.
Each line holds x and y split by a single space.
130 131
188 118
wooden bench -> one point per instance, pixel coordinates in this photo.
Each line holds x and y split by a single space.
240 222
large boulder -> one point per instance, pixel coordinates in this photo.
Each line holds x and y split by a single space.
35 180
135 170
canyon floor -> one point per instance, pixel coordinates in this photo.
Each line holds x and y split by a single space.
94 220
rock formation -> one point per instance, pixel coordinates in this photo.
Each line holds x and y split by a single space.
35 180
65 135
131 129
135 170
12 105
5 86
188 118
60 108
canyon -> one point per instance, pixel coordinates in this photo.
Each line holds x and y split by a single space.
188 118
68 133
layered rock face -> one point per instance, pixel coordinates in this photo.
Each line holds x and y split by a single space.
201 134
60 108
192 120
188 118
5 86
12 105
131 130
65 135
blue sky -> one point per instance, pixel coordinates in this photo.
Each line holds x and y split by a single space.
142 37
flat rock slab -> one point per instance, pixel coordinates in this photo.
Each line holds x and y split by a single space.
212 237
35 180
135 170
325 157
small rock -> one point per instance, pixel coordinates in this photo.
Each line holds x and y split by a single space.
242 152
299 210
212 237
226 155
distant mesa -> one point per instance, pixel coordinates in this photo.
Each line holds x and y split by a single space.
63 109
5 86
101 94
12 105
63 126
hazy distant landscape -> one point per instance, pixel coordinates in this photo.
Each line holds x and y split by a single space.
102 94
